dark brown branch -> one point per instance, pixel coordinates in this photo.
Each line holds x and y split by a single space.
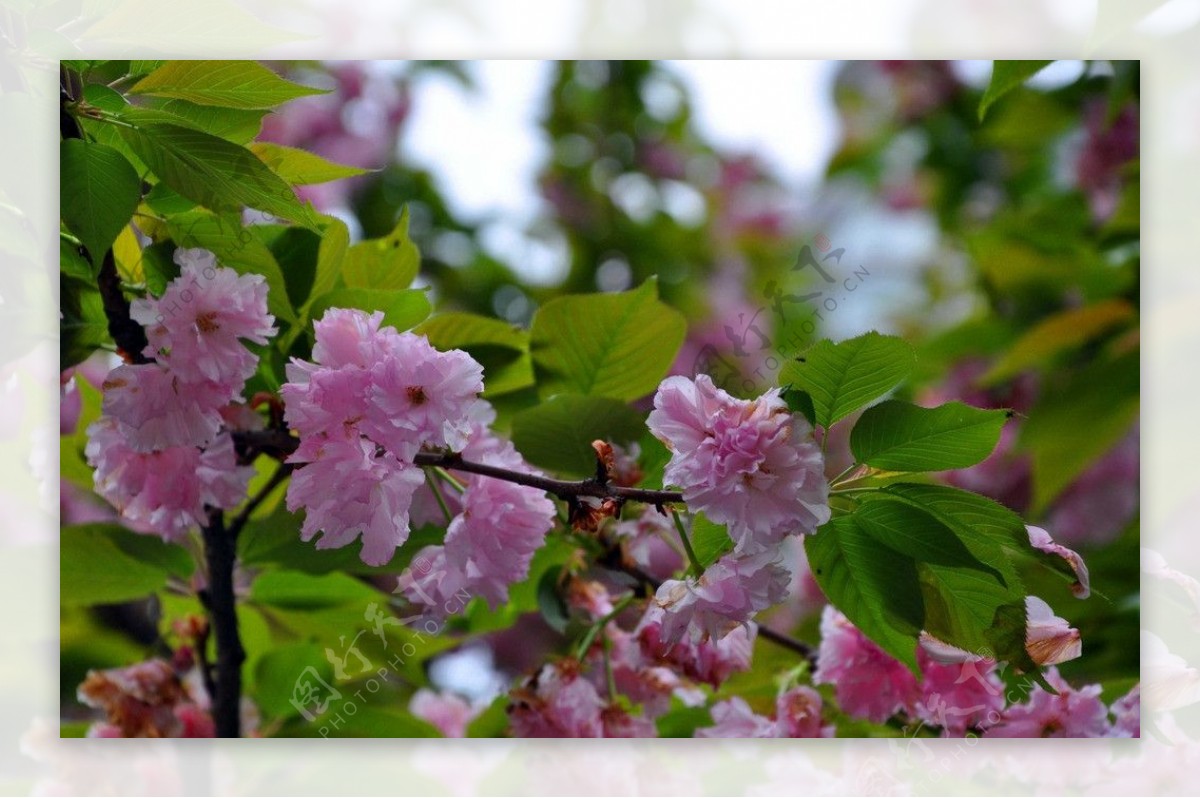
239 521
129 336
278 443
220 551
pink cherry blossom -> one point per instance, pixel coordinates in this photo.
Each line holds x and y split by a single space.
637 677
869 683
493 539
726 595
1071 713
420 396
346 337
749 464
448 713
733 718
798 713
1127 712
644 539
348 489
156 411
960 696
557 702
196 327
1040 539
435 585
711 661
619 722
1048 638
164 491
323 402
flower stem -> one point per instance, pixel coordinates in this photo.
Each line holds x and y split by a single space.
697 568
432 479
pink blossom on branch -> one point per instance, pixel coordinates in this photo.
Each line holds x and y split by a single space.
196 327
727 595
157 411
164 491
751 465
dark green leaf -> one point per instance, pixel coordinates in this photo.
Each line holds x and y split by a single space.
213 172
917 534
844 377
551 603
876 588
1107 395
230 84
615 345
800 402
558 434
1006 76
899 436
280 671
98 193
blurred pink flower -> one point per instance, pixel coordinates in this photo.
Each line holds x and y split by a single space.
196 327
961 696
733 718
644 539
726 595
749 464
1127 714
868 682
557 702
1071 713
711 661
797 714
448 713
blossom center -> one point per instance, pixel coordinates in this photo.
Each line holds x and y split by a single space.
207 322
416 395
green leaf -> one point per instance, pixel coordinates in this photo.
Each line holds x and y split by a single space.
843 377
98 193
297 590
279 671
402 309
367 721
493 721
84 325
300 167
877 589
898 436
800 402
558 434
614 345
238 126
330 255
709 540
501 348
1006 76
1107 395
93 569
236 247
72 263
550 602
682 720
974 612
979 522
914 533
275 540
390 262
1057 334
230 84
137 68
213 172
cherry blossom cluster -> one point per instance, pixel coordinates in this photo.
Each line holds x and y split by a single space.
960 693
753 466
161 450
370 401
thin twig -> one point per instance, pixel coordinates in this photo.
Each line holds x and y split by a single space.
239 521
